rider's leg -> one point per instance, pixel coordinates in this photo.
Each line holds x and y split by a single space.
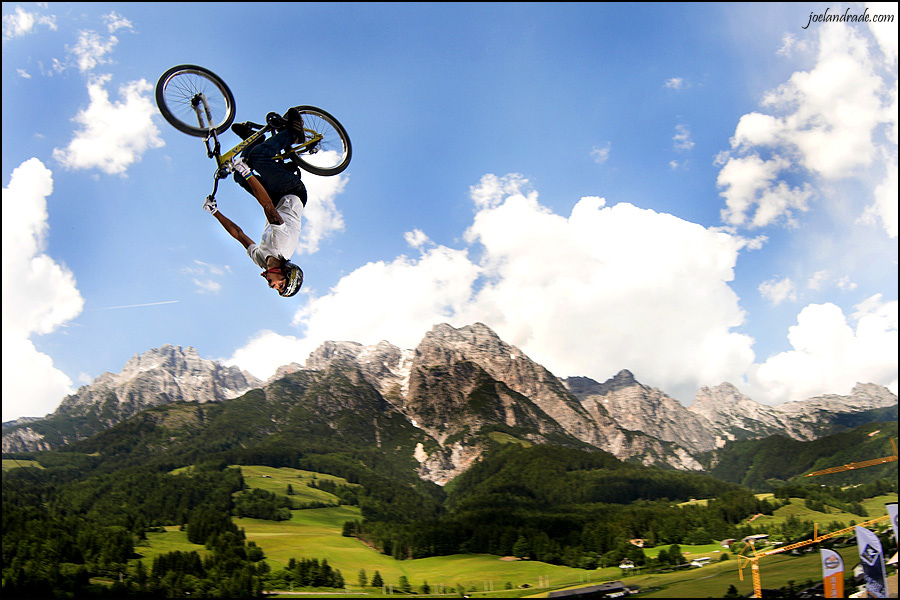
277 178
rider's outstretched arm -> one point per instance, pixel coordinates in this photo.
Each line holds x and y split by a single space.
232 228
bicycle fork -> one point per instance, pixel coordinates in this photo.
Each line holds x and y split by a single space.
204 119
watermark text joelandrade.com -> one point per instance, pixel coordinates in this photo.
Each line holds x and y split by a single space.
865 17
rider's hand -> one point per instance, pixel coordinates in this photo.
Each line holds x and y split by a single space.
210 205
240 166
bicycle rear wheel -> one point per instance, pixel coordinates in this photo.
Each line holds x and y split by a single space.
180 88
330 153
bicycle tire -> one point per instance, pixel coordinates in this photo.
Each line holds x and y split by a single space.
332 154
178 86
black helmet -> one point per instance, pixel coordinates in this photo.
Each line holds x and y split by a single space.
294 279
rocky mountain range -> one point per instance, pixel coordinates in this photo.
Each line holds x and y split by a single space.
457 388
159 376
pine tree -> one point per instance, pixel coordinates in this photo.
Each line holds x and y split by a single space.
377 581
362 579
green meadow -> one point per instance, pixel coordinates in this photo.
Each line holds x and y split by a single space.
316 533
9 463
798 510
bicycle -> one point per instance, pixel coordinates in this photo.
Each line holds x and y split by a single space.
187 92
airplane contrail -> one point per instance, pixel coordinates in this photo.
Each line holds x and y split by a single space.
139 305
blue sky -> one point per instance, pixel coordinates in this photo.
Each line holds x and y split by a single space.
698 193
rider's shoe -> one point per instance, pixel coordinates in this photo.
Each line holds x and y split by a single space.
295 125
277 122
244 130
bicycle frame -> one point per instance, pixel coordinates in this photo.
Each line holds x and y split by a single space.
223 161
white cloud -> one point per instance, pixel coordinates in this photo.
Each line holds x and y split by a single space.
832 122
818 280
321 216
91 50
22 22
39 296
884 209
675 83
112 135
776 291
790 43
610 288
267 351
751 184
603 289
830 356
601 155
885 33
682 138
416 238
206 276
115 21
397 301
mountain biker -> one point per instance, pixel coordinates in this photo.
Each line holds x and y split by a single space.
282 232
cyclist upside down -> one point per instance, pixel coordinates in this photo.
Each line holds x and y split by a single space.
273 180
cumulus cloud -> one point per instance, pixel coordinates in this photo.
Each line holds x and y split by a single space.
112 135
608 288
829 355
835 121
39 296
397 301
602 289
752 186
320 215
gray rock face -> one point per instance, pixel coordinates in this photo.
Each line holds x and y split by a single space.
165 374
158 376
457 389
637 407
734 416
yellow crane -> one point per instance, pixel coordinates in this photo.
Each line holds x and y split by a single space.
753 561
859 465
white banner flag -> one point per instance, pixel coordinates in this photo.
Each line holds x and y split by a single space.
871 558
833 573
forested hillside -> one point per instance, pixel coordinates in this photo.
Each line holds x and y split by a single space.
82 512
769 463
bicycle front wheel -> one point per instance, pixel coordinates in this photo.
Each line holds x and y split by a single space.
326 150
183 89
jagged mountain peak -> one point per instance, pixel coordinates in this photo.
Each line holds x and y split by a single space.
638 407
322 356
172 358
455 387
710 401
478 339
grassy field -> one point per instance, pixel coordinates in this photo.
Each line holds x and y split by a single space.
9 463
797 509
316 533
714 579
277 480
